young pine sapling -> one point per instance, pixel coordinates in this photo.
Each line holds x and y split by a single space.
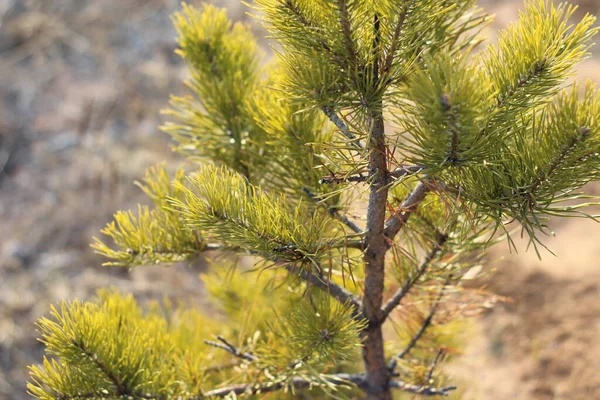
364 170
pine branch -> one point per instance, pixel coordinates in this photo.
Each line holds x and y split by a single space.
398 220
434 364
102 396
292 7
122 389
230 348
534 56
296 383
538 68
421 390
221 203
399 172
353 244
345 220
63 396
410 282
336 291
389 60
543 176
327 180
347 30
358 380
334 212
340 124
417 336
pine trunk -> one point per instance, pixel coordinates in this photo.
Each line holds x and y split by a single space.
376 246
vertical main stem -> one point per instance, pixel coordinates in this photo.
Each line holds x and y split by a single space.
374 258
378 375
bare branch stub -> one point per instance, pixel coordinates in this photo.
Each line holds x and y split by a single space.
398 220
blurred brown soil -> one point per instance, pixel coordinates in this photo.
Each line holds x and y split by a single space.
542 345
81 87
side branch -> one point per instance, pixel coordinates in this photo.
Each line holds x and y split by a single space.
347 29
343 219
398 220
122 389
422 390
297 383
410 282
340 124
228 347
426 323
335 213
389 60
433 365
399 172
312 28
336 291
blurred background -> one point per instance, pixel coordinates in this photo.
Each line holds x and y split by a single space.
82 83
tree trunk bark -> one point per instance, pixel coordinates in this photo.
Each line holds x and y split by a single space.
374 258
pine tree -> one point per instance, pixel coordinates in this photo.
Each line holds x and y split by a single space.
379 108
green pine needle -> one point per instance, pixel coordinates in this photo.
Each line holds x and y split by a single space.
226 207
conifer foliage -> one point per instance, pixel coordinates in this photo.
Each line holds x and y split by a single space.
363 172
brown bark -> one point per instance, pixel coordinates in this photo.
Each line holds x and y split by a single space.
373 350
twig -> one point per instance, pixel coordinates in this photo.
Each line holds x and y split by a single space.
422 390
396 38
342 179
311 27
347 29
410 281
417 336
336 291
434 364
247 388
228 347
334 212
352 244
343 219
399 172
340 124
349 380
297 383
397 221
117 382
404 170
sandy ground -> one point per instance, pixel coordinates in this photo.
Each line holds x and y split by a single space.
81 86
